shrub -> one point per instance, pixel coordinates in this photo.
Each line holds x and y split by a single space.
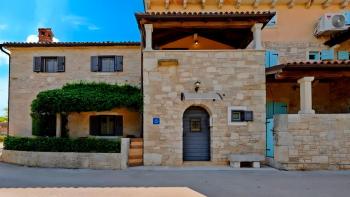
81 97
46 144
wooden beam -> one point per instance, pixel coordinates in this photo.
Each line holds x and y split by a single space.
220 25
344 4
148 4
291 4
316 74
326 3
273 3
256 3
203 4
166 4
309 4
184 4
238 4
220 3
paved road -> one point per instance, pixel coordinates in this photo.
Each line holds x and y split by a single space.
211 182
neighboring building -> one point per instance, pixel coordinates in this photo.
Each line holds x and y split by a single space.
215 76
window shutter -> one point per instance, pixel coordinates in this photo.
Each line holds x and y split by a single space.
327 55
248 116
267 59
119 125
94 125
94 64
37 64
61 64
272 22
118 64
343 55
274 58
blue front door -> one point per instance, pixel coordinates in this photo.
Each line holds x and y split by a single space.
272 108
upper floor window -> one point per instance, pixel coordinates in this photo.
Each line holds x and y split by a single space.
272 22
107 63
49 64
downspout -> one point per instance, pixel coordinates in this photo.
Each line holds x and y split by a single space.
8 100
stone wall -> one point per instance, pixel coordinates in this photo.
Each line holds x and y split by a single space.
26 84
312 142
113 161
295 51
238 75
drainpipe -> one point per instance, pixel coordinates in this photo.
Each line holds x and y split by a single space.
8 100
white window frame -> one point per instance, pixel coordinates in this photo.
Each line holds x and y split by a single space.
229 115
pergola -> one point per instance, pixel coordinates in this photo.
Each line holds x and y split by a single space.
306 72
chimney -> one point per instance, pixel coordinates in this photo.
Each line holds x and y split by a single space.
45 35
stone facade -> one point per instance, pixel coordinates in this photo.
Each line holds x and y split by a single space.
238 75
308 142
26 84
112 161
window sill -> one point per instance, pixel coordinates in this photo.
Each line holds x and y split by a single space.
105 137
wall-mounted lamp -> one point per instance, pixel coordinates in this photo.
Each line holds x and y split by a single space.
197 85
195 39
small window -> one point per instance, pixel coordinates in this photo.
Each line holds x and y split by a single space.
195 124
314 55
49 64
106 125
107 64
236 116
239 115
272 22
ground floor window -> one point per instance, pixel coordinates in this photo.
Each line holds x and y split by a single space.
106 125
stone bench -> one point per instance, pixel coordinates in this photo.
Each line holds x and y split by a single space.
236 160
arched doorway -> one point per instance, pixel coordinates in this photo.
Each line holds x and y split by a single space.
196 134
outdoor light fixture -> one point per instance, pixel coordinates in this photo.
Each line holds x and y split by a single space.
195 38
196 86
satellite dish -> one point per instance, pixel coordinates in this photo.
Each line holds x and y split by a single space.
338 21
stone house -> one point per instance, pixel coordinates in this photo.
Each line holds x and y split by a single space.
218 78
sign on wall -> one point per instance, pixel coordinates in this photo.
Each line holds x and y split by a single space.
156 120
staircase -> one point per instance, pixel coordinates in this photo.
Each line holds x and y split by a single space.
136 152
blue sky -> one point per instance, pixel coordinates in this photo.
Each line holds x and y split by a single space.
70 20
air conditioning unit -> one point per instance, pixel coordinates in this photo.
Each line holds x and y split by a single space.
329 23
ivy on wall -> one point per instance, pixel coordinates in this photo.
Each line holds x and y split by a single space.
83 97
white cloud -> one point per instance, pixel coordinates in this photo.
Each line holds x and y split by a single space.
4 59
34 38
79 21
3 94
3 26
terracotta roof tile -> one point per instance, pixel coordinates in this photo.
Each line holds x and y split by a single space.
67 44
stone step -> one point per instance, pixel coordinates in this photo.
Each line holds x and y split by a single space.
136 140
133 152
136 143
135 162
136 146
135 157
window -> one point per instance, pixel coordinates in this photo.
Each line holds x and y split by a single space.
272 22
195 124
239 115
314 55
107 63
106 125
49 64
